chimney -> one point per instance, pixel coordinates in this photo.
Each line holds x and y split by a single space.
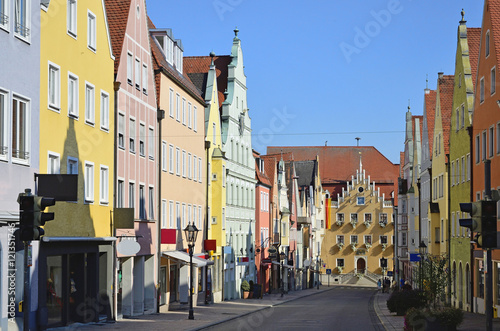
440 74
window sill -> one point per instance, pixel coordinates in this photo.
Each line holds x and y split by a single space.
23 162
91 48
121 147
105 129
88 202
72 35
103 203
73 116
20 37
54 109
92 124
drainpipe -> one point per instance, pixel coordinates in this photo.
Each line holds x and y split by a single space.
448 215
113 230
160 115
205 232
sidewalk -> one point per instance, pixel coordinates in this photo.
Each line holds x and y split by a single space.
391 322
204 316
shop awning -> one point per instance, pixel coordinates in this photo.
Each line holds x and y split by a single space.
184 257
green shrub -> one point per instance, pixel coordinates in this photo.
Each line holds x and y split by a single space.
245 286
400 302
417 319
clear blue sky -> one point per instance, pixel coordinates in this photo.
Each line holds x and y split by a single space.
311 75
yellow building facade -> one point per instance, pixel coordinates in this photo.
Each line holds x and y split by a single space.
77 137
360 233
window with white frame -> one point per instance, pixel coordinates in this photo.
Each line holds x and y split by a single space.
195 214
72 95
53 163
3 125
491 140
54 86
195 119
184 218
340 218
178 215
89 182
200 215
481 90
89 103
20 132
184 163
142 202
468 166
487 44
164 212
164 151
368 218
383 218
132 135
195 174
104 111
183 111
177 161
142 136
340 239
462 116
223 176
354 217
199 170
483 147
213 134
223 218
463 169
91 30
71 19
121 130
478 150
130 68
383 239
457 119
144 78
120 194
340 263
189 157
171 158
493 77
151 143
354 239
72 166
452 173
22 18
137 74
171 214
177 107
151 200
131 195
368 239
190 115
104 185
171 103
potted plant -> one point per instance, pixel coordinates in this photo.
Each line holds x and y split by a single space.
353 246
341 245
340 269
354 222
367 223
245 287
368 246
384 246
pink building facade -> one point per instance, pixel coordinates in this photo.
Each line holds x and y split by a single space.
136 178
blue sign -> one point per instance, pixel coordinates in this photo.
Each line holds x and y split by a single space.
389 273
414 257
328 271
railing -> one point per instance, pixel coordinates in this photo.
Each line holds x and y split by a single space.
4 19
372 276
387 203
22 30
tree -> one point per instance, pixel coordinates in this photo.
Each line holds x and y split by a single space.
436 277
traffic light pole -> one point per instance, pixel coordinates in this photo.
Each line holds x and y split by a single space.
26 292
488 295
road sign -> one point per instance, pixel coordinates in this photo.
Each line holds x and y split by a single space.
328 271
389 273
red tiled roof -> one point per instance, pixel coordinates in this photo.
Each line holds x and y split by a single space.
446 85
340 163
430 112
474 42
201 64
117 12
259 175
401 161
270 170
160 63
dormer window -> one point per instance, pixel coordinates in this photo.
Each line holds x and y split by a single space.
178 54
487 44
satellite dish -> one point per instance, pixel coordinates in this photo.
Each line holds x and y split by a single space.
128 247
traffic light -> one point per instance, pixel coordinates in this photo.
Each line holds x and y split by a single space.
40 217
32 216
474 210
489 224
26 216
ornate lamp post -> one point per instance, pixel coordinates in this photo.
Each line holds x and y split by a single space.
191 232
383 264
282 288
422 249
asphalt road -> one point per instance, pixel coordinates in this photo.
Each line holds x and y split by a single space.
346 308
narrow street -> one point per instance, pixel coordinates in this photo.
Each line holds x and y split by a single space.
340 309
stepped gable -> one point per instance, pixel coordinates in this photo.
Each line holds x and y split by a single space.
430 107
446 86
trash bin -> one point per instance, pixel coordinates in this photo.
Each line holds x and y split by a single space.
495 312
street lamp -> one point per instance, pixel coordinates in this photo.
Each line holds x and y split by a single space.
383 264
191 232
422 249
